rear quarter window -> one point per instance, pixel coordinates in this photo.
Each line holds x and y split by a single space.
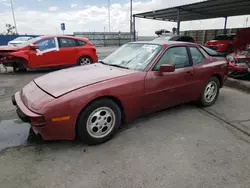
213 52
80 43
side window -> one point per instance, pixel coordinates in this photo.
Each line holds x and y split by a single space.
65 42
177 56
197 56
80 43
46 44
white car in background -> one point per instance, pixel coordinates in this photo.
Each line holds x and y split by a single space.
18 40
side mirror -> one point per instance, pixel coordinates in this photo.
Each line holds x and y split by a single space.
167 68
34 47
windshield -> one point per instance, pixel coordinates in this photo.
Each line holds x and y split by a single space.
21 39
135 56
29 42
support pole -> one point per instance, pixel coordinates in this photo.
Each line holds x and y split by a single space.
178 22
134 30
109 13
225 26
13 14
131 19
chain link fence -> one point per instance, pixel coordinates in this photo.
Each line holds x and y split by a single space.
106 38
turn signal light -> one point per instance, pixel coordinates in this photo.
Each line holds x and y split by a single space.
37 121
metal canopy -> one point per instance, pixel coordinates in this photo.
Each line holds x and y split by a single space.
198 11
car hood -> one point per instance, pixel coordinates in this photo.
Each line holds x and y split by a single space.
8 48
64 81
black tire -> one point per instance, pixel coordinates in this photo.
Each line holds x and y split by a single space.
83 130
84 60
203 101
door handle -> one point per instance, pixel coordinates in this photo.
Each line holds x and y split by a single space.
189 73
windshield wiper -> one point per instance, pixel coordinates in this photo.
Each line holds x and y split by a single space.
114 65
102 62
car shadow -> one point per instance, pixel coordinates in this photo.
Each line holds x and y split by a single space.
38 142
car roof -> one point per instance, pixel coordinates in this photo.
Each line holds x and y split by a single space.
64 36
165 42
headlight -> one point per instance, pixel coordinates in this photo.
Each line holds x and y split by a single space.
230 58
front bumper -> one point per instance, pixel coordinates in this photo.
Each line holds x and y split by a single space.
235 67
52 130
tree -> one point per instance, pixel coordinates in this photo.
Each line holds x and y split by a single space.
10 30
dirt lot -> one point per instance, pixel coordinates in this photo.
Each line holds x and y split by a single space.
184 147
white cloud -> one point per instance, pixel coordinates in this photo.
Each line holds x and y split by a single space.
53 8
74 5
5 3
95 18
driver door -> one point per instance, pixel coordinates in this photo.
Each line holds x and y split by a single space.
46 55
170 88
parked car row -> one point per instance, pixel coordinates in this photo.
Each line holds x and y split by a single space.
91 102
48 51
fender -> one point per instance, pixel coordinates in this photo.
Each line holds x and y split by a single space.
20 54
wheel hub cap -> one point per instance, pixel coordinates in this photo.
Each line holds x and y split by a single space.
210 91
84 61
101 122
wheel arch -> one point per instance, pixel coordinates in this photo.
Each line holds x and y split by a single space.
21 61
219 77
114 99
86 55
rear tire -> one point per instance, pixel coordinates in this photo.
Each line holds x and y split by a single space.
98 122
210 92
84 61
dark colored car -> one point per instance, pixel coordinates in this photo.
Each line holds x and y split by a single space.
140 77
48 51
182 38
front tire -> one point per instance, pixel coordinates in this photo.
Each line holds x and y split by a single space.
210 92
84 61
98 122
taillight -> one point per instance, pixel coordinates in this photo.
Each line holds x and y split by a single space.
37 121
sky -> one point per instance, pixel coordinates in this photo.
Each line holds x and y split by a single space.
45 16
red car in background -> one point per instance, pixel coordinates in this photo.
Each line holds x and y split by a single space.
92 101
221 43
48 51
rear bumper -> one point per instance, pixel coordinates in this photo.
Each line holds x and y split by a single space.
52 130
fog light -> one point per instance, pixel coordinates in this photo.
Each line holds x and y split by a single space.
37 121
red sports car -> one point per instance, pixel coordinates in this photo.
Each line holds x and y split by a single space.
140 77
221 43
48 51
